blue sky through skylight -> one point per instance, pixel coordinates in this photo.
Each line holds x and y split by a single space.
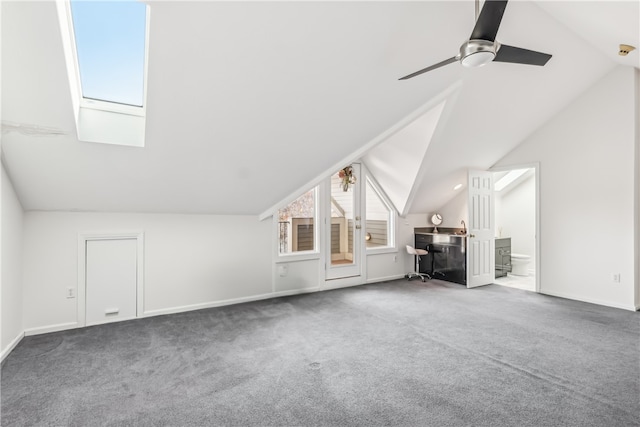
110 41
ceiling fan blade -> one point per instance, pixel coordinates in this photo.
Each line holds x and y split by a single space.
518 55
433 67
489 20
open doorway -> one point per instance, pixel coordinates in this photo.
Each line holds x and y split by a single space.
516 227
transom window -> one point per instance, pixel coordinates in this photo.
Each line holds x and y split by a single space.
110 41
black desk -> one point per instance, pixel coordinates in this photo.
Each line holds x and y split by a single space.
447 258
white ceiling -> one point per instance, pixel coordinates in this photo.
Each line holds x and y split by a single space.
604 24
247 102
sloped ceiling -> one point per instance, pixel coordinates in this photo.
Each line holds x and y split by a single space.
397 162
604 24
247 101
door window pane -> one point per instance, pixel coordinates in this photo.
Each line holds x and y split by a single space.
342 221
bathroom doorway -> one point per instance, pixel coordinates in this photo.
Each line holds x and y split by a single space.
516 223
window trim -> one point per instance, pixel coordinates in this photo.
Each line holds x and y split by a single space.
112 107
101 121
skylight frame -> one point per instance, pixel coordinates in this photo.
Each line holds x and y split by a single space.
101 105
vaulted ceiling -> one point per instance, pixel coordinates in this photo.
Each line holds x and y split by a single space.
249 101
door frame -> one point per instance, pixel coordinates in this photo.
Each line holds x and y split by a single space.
536 168
81 294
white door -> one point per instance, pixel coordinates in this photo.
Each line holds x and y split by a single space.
344 226
111 280
481 234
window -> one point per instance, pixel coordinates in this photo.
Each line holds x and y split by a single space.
379 225
297 225
106 48
110 41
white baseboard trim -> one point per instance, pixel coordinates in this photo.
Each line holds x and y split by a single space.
114 320
277 294
172 310
345 282
11 346
212 304
385 279
630 307
52 328
294 292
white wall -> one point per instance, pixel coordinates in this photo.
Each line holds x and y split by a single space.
190 261
292 275
515 215
11 291
455 211
406 236
586 156
637 181
393 265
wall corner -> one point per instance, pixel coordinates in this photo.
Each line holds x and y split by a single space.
636 204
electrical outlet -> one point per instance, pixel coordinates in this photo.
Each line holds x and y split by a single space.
615 277
71 292
283 270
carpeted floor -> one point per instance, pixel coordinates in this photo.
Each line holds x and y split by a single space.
395 353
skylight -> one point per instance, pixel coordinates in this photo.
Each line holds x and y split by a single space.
508 178
110 39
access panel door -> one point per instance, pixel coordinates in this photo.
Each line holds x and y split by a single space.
111 280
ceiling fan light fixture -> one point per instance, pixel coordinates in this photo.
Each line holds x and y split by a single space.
476 53
477 59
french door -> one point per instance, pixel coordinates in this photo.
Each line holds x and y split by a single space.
344 224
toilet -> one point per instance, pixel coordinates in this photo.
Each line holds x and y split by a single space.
520 264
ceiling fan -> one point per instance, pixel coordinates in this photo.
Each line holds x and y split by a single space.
482 47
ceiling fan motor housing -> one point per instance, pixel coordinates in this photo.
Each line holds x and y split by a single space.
482 47
476 53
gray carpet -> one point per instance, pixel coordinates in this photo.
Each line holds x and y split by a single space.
395 353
